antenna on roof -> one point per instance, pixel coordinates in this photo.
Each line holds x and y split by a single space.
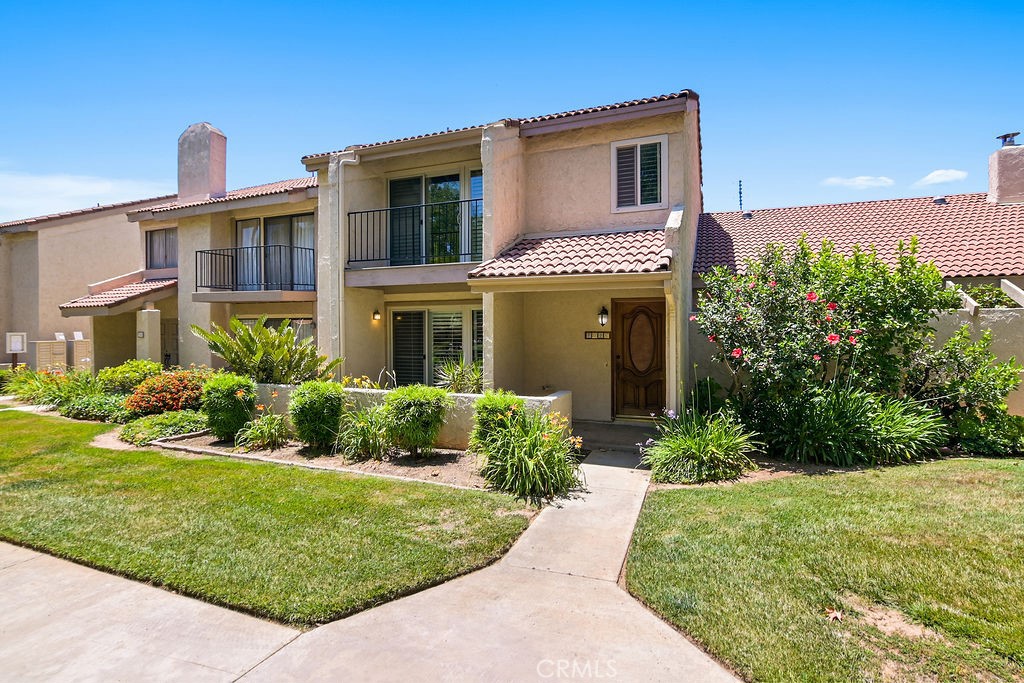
741 195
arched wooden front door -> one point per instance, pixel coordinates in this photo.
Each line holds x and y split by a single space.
638 357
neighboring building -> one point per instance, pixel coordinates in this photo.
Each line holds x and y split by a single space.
209 255
46 260
507 242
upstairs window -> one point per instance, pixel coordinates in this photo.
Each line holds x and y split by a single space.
639 177
162 249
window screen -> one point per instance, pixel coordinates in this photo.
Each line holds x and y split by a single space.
445 339
408 353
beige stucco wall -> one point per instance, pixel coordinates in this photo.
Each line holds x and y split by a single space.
503 346
1007 327
568 176
365 350
557 357
113 339
503 157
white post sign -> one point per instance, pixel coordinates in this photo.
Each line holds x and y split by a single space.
17 342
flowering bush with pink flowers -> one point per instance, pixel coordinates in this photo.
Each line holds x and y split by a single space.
800 322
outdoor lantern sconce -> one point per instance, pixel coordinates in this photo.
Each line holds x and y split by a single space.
602 317
376 314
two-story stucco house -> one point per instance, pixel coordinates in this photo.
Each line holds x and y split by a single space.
556 249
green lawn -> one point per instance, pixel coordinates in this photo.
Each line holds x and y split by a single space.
295 545
749 570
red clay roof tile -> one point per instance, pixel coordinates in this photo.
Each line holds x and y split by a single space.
966 236
279 187
635 251
122 294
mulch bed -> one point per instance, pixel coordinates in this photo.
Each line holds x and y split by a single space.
454 468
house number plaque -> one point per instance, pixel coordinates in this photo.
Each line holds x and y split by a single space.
597 334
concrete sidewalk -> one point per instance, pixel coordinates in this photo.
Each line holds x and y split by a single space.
550 609
60 621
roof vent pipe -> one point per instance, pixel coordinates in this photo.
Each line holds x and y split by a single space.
1009 139
748 214
940 200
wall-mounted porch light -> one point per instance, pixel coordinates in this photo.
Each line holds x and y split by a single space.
602 317
376 314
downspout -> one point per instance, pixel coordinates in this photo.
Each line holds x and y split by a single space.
338 250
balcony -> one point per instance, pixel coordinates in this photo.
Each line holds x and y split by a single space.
417 235
256 274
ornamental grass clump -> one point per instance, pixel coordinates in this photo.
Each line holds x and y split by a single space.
266 432
532 455
491 412
696 448
229 402
415 414
364 434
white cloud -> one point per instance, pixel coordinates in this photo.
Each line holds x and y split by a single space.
943 175
861 182
24 195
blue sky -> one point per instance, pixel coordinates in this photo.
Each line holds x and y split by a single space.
800 100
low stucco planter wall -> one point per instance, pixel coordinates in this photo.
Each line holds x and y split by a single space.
458 420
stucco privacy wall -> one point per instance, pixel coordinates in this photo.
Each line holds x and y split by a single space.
568 176
557 357
1007 325
458 420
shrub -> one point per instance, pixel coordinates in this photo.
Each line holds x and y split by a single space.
490 412
145 429
5 377
695 448
797 320
460 377
269 356
990 296
52 388
364 433
97 407
994 434
415 414
124 378
228 401
168 391
531 456
850 426
315 409
267 432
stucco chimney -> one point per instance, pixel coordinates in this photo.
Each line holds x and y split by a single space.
1006 172
202 163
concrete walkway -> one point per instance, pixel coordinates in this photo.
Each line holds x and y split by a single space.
60 621
550 609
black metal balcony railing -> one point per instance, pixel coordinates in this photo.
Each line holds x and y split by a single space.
444 232
256 269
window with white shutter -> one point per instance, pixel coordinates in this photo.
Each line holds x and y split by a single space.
639 180
423 339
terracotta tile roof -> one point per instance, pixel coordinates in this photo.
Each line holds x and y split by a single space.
635 251
966 237
279 187
82 212
532 119
609 107
122 294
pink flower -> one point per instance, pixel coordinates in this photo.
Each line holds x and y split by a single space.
858 331
772 283
737 352
833 339
853 340
812 296
828 318
692 318
817 357
752 285
832 305
711 337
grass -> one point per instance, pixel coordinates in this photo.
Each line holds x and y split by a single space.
749 570
298 546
